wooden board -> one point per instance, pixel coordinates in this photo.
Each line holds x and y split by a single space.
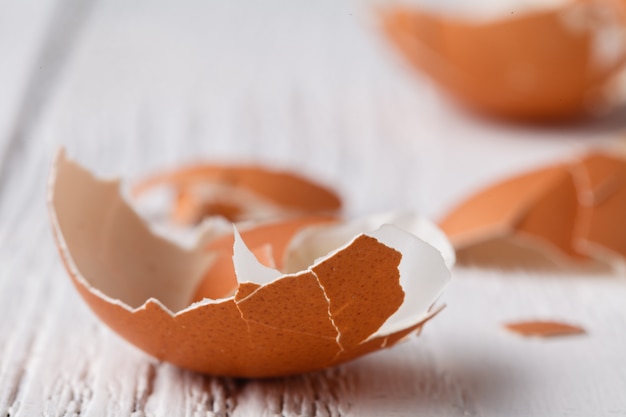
312 86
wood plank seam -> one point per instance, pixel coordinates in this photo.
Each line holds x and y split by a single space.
61 36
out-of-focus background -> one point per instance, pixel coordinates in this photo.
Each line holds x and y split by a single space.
133 87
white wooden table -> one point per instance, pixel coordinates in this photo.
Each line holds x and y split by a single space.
131 87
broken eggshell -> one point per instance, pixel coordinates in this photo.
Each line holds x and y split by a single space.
525 61
370 292
544 328
568 214
240 193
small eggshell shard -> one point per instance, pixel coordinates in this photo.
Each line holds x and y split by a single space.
537 65
569 213
544 328
171 302
240 193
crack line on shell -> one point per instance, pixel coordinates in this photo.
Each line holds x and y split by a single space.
245 321
330 316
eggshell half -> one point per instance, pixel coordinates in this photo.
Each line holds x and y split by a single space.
348 302
537 65
241 192
568 213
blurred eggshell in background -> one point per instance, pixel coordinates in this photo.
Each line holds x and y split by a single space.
570 213
531 64
369 293
602 219
240 192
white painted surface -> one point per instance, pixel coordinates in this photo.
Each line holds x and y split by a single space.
309 85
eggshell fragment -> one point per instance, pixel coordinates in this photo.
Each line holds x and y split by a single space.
241 192
603 204
540 328
347 302
220 279
544 64
569 213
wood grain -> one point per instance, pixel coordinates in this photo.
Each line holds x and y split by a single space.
304 85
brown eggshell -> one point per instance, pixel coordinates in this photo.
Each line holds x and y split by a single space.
543 328
372 266
569 213
603 207
536 65
381 342
142 286
240 192
220 279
